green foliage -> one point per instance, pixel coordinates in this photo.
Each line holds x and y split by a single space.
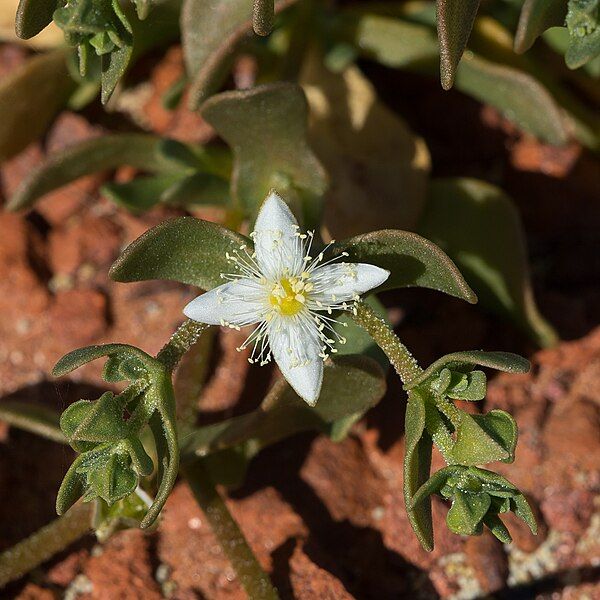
368 151
180 173
465 440
266 128
455 20
171 251
112 458
417 466
583 23
411 259
397 43
33 16
30 98
480 229
537 16
478 497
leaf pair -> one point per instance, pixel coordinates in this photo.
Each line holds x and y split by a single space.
113 458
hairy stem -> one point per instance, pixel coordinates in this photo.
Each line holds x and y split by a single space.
401 359
251 575
45 543
186 335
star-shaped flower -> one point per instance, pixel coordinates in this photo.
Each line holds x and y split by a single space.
289 294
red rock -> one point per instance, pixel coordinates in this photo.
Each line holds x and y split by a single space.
308 581
486 556
181 123
78 317
87 240
123 569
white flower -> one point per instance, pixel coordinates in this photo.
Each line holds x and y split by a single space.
289 294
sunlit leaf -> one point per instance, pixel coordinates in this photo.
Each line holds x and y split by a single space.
479 227
187 250
467 512
30 97
378 167
481 439
537 16
412 260
266 129
455 20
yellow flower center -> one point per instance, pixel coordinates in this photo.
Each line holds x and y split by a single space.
289 295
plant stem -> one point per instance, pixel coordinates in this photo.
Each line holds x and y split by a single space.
45 543
186 335
401 359
251 575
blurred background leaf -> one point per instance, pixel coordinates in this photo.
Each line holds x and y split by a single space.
480 228
369 153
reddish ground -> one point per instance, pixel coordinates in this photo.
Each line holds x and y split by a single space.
326 520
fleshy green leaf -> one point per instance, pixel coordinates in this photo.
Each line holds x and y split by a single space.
498 528
266 129
211 39
455 20
30 97
33 16
469 386
412 260
417 466
583 23
34 418
368 151
481 439
537 16
480 229
465 361
351 384
187 250
467 513
94 421
79 357
521 508
99 154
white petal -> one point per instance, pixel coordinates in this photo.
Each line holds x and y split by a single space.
296 346
279 249
241 302
342 281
